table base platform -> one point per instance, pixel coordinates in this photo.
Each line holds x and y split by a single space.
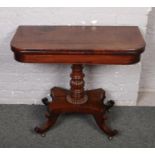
93 106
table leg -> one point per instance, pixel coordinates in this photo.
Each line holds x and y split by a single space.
52 118
102 125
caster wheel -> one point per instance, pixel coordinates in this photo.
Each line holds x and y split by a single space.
45 101
37 130
43 135
114 132
110 138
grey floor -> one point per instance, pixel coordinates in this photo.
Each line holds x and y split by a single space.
136 127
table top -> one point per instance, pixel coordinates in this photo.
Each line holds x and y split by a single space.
35 43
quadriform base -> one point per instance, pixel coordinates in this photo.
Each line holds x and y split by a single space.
79 101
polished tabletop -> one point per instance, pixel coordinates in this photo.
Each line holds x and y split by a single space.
54 41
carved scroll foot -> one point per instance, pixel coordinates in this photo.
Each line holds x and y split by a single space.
45 101
52 118
102 125
109 104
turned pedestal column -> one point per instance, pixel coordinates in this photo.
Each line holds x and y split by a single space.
77 94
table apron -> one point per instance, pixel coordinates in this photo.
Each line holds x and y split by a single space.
78 59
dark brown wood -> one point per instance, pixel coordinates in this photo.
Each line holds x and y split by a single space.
52 118
93 106
77 95
78 44
78 59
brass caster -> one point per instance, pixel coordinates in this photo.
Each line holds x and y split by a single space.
43 135
115 132
110 138
37 130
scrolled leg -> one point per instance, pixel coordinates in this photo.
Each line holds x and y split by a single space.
52 118
102 125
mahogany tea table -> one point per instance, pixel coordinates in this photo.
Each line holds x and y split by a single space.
78 45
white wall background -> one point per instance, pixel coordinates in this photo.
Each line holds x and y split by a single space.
28 83
148 66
